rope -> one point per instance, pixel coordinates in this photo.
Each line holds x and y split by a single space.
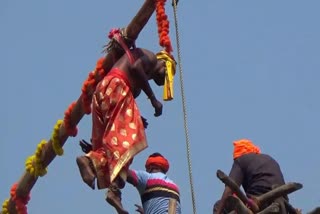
185 121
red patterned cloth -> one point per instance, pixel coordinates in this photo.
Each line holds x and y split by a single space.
117 129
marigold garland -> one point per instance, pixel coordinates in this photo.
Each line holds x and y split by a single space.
90 84
29 165
70 129
57 148
20 202
163 26
34 164
86 98
5 209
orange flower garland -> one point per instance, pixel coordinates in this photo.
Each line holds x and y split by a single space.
70 129
163 26
90 84
86 99
20 202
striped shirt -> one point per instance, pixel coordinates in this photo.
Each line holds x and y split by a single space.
156 190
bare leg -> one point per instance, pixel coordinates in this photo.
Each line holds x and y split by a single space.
114 197
86 171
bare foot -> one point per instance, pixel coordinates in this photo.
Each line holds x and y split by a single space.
86 171
114 200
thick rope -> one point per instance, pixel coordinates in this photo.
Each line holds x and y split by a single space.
185 121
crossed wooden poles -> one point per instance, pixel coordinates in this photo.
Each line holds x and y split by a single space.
238 203
27 181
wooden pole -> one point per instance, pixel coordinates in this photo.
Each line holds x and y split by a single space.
236 189
27 181
277 192
272 208
237 205
258 201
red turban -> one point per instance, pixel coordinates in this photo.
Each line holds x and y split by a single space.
158 161
244 146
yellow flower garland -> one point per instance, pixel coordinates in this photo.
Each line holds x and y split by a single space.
29 165
34 164
5 209
55 139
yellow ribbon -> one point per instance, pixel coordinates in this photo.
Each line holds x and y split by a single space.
169 76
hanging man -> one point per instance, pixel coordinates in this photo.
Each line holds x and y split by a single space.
159 194
117 126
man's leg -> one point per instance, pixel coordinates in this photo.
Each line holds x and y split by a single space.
86 171
113 196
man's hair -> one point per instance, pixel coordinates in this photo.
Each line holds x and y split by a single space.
156 154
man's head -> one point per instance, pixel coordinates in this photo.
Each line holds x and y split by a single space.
159 72
165 63
157 163
244 146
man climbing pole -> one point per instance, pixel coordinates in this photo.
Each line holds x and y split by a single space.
117 126
257 173
159 194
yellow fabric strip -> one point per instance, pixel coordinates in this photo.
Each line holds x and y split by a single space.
169 76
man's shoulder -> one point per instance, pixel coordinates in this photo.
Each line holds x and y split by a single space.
144 52
253 158
139 171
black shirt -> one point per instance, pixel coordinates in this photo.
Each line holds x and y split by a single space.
257 173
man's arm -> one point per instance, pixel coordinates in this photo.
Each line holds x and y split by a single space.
138 179
139 72
132 178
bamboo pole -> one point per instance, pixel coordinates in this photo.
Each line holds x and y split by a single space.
27 181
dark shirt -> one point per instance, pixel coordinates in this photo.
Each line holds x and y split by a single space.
257 173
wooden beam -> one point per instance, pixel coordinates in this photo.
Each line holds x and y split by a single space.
258 201
272 208
27 181
236 189
277 193
237 205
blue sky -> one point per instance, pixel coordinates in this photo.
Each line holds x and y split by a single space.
250 71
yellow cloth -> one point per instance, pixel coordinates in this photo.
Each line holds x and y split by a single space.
169 76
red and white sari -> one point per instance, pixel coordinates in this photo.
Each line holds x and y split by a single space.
117 129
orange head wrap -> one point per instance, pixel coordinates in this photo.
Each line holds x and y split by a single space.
156 159
244 146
